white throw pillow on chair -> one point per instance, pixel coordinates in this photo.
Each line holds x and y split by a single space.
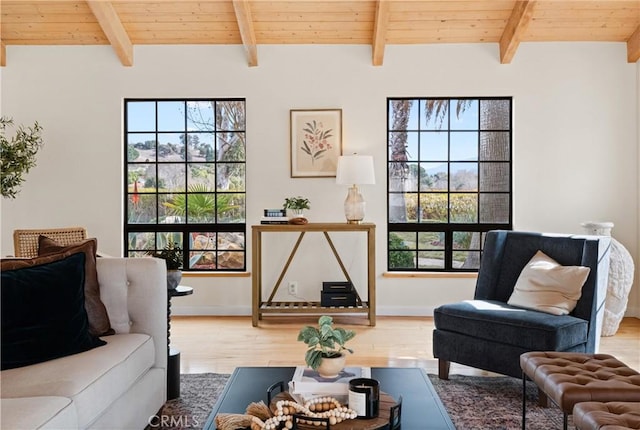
546 286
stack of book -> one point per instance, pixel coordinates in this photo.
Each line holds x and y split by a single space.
274 216
307 383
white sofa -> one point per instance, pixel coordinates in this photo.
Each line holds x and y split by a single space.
119 385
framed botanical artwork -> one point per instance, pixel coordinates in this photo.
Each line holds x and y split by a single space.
316 142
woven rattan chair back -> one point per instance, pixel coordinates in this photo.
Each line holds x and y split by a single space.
25 242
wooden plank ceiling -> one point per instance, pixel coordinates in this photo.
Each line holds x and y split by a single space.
378 23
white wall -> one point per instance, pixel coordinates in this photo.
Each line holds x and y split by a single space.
575 140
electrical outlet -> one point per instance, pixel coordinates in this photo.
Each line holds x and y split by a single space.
293 288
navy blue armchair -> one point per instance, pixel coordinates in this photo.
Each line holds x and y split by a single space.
487 333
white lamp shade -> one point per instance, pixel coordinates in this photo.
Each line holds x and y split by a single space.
355 169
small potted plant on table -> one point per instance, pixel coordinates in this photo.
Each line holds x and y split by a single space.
326 346
297 205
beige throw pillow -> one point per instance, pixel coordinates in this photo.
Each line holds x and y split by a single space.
546 286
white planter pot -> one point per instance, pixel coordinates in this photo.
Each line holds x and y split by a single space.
173 279
331 367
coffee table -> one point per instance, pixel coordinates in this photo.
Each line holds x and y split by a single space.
421 406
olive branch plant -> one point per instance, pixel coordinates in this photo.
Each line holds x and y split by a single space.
18 155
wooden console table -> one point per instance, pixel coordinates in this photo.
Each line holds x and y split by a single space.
260 308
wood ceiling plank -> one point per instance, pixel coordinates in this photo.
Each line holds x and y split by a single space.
314 37
161 27
468 24
380 32
45 7
173 7
54 27
247 33
179 17
113 30
584 5
517 25
186 38
50 18
286 16
633 46
439 36
585 34
593 14
605 24
452 6
312 26
436 39
54 34
312 7
467 15
57 39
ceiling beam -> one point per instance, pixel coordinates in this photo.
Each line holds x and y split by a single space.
517 25
633 46
113 29
380 31
247 33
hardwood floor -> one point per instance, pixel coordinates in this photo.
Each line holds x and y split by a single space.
219 344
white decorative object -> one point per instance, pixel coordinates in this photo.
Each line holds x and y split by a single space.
621 270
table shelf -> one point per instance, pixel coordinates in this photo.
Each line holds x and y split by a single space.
270 306
310 307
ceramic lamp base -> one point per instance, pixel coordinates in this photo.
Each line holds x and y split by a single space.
354 206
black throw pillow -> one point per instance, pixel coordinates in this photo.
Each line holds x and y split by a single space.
43 314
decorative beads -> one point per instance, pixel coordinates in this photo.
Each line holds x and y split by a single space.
320 407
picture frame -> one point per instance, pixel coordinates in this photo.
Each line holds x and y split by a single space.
316 142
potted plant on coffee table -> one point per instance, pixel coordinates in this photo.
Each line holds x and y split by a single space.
326 346
172 255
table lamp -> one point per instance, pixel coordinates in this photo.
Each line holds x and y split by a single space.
355 170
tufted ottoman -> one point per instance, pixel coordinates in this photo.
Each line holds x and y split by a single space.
603 416
568 378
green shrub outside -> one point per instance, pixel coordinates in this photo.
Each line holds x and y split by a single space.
399 259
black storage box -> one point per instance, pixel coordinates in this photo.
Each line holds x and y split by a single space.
335 299
337 287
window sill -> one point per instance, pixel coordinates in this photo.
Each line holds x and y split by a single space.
451 275
216 274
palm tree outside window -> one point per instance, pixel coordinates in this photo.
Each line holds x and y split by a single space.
449 180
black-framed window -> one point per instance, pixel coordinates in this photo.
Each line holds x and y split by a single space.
184 179
449 179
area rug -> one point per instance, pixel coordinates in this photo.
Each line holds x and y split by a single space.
473 403
476 402
198 393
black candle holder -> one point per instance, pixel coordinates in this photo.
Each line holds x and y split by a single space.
364 397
